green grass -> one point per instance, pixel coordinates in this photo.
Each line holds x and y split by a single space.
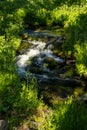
18 98
70 115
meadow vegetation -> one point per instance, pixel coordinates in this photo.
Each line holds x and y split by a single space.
19 99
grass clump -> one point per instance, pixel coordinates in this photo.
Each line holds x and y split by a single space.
69 115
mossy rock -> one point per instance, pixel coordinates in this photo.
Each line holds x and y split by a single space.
58 52
23 47
25 36
51 63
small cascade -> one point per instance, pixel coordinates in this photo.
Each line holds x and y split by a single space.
36 57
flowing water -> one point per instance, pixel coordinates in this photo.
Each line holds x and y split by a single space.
53 73
40 51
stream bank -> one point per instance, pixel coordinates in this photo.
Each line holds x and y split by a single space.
40 55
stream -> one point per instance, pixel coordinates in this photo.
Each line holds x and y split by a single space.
38 57
55 74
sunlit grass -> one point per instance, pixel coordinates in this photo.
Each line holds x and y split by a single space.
70 115
81 56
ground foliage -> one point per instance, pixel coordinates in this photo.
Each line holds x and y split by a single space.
18 98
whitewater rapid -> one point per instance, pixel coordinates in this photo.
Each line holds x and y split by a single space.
37 49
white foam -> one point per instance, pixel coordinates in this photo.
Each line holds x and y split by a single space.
36 49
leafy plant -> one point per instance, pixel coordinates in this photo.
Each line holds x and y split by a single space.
27 99
69 115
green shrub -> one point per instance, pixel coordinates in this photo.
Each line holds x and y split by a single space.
70 115
81 59
9 88
27 99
